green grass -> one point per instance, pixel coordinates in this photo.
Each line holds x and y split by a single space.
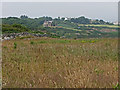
65 41
24 37
111 26
71 29
32 42
68 28
15 45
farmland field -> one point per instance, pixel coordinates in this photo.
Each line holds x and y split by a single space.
111 26
60 63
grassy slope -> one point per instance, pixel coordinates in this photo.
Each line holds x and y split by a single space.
54 63
15 28
111 26
68 28
104 30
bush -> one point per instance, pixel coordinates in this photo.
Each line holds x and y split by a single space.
31 42
15 45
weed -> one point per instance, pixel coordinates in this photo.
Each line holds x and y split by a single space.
117 86
83 41
116 68
4 47
31 42
98 71
93 41
24 37
42 42
15 45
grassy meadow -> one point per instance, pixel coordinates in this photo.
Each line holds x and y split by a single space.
110 26
60 63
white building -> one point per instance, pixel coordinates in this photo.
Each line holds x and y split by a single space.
115 23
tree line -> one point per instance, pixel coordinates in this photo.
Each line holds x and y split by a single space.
36 23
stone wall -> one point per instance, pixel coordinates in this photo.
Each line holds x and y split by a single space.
14 35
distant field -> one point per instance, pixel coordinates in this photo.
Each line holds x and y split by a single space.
60 63
69 28
111 26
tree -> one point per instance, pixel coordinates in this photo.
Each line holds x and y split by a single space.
102 22
63 18
23 16
58 18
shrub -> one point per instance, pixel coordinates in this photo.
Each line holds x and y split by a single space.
15 45
4 47
31 42
25 37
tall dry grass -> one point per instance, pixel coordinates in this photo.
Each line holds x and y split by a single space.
60 63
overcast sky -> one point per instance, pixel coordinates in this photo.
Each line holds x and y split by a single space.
107 11
60 0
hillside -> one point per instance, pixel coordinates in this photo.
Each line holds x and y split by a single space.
80 27
59 53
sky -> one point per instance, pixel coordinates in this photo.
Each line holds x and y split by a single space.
60 0
107 11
